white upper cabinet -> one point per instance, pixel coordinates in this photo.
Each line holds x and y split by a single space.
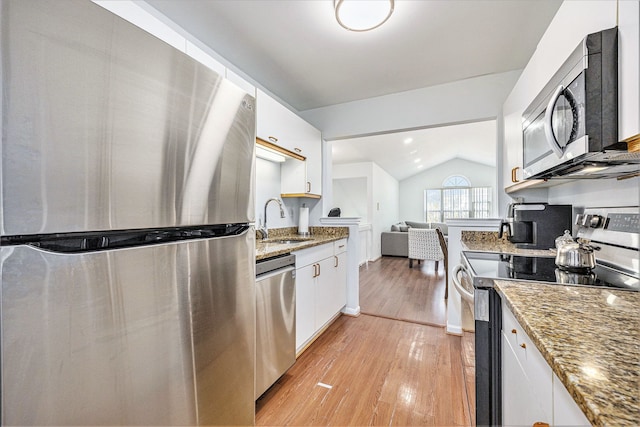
278 125
240 82
145 20
629 73
139 17
204 58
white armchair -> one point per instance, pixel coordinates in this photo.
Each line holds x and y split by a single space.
424 244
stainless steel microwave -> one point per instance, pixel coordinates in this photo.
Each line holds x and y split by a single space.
570 130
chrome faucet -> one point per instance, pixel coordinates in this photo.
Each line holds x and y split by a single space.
263 230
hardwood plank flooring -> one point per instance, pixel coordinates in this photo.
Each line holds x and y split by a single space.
381 372
393 366
389 288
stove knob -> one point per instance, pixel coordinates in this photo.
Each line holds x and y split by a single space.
595 221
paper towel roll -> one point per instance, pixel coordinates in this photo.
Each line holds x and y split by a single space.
303 221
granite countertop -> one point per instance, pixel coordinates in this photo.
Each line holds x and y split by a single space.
319 236
488 241
591 339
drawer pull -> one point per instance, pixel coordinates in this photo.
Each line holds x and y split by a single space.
273 139
341 246
297 150
523 345
513 331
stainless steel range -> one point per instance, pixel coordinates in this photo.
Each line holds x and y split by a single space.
615 234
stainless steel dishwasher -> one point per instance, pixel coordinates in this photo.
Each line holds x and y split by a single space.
275 320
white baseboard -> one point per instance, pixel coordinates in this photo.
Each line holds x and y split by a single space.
355 312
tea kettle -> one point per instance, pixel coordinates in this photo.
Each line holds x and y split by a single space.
576 255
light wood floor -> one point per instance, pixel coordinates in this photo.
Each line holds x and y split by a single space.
389 288
378 370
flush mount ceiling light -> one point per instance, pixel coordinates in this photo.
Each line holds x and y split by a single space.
362 15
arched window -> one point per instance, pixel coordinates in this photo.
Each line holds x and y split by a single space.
456 181
456 199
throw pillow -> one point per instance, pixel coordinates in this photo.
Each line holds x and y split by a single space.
415 224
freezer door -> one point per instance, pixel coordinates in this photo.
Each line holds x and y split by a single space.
155 335
106 127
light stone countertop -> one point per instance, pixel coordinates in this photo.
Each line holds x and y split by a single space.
488 241
589 336
319 236
591 339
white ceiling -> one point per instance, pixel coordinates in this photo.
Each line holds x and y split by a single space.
475 142
296 50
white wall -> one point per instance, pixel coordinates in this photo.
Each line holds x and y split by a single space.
350 195
469 100
412 188
268 186
597 193
382 197
385 206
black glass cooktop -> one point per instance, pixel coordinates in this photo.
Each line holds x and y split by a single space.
544 269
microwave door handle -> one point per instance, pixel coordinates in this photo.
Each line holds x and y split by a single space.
548 128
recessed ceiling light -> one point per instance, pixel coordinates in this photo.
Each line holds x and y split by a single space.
362 15
413 151
417 161
408 140
420 166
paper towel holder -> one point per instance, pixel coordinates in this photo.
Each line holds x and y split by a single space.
303 221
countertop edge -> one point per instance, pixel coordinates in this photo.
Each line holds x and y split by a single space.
281 249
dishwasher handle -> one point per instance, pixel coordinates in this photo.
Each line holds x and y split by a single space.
272 273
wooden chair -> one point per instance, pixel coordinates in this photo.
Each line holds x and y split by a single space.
445 252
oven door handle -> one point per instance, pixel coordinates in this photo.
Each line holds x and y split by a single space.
465 294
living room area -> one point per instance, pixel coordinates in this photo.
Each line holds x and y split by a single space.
396 181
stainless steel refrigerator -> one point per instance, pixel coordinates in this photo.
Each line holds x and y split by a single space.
127 258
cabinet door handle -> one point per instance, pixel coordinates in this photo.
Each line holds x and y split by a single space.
336 261
273 139
319 272
308 187
315 270
297 150
514 174
523 345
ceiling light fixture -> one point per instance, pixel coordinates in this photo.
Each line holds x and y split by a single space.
408 140
362 15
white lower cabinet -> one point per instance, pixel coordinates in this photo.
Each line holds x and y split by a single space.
531 392
321 288
565 410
